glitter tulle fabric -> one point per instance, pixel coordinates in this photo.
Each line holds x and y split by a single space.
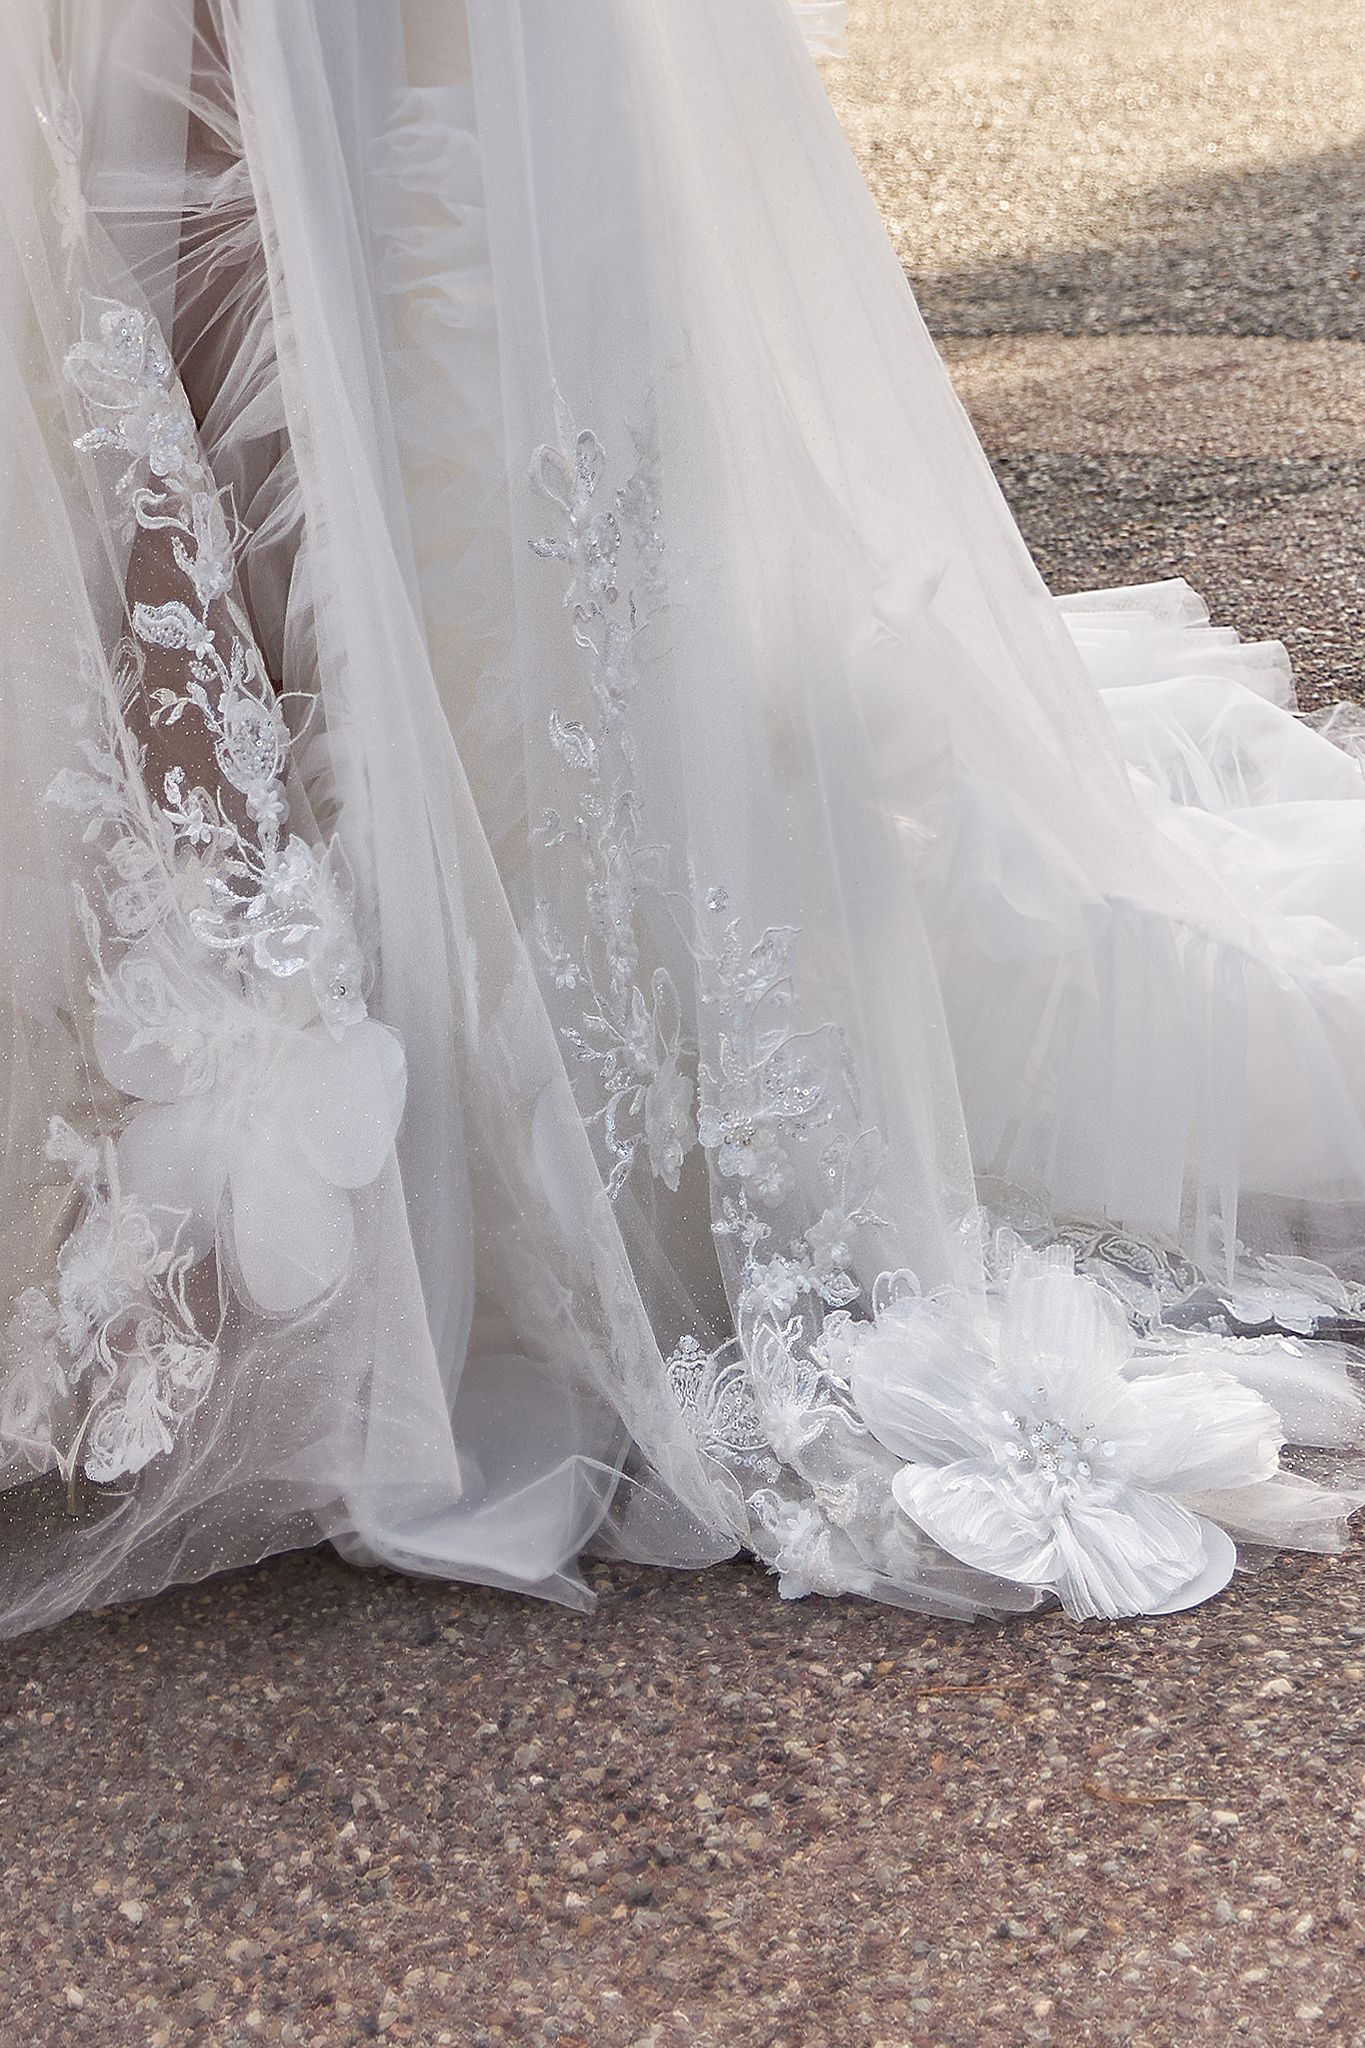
589 961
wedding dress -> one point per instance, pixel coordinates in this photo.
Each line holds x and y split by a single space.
590 962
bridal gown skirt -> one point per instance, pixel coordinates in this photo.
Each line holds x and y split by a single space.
590 962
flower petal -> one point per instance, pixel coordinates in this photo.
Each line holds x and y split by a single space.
1311 1390
980 1517
1064 1333
1288 1509
1220 1561
342 1100
293 1236
172 1159
1122 1551
923 1381
1106 1552
1197 1432
145 1070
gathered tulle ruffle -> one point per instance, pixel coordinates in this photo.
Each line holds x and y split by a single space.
1227 768
1199 1077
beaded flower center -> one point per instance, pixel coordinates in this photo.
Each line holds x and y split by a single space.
1043 1445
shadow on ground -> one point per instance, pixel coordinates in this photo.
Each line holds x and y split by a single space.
1276 250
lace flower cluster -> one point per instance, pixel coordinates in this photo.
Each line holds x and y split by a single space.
227 986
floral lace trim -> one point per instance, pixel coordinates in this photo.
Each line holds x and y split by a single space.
1158 1285
627 1036
227 986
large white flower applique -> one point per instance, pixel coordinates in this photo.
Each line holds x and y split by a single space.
255 1127
1041 1447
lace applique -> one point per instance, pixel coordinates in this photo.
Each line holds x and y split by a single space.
772 1093
778 1121
227 986
62 125
713 1390
770 1104
121 1340
629 1036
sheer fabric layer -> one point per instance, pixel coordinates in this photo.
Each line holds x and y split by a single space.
762 981
233 849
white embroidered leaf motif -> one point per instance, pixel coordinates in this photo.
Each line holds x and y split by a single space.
171 625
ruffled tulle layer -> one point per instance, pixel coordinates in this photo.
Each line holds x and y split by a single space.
1199 1076
1276 809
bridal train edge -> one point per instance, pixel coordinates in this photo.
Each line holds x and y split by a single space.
591 962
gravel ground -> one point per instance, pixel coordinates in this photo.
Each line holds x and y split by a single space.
304 1805
1274 546
1182 166
308 1806
1237 463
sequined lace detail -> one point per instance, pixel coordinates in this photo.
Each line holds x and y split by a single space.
627 1035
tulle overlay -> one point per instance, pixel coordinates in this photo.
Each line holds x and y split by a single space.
590 961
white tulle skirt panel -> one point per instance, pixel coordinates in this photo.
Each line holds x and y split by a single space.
591 960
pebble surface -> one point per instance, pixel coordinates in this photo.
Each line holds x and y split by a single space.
1075 166
313 1807
1138 236
308 1806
